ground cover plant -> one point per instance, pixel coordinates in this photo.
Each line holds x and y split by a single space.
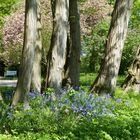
72 116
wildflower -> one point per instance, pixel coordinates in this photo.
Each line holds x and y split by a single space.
9 115
53 108
127 103
66 111
119 100
26 106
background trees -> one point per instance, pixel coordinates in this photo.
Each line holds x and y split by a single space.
95 18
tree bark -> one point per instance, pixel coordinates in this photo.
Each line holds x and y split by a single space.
105 82
132 80
36 74
30 36
75 42
57 52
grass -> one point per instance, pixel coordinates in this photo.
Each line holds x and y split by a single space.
6 89
86 79
8 78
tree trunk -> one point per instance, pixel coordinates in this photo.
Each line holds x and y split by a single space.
57 52
30 36
105 82
72 73
36 74
132 80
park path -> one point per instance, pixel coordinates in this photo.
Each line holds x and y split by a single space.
8 83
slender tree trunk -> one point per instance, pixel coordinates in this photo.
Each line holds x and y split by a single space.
57 53
72 73
30 36
36 74
105 82
132 80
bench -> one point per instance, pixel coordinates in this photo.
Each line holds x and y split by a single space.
10 73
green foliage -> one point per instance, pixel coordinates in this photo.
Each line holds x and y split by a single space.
129 51
111 2
5 8
90 10
93 48
135 17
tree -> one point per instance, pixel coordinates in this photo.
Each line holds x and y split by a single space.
57 52
132 80
36 72
27 61
106 80
72 66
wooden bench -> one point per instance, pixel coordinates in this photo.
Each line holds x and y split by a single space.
10 73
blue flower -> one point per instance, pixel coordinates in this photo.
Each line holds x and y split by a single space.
26 106
118 100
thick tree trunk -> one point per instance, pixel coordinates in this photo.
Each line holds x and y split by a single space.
105 82
57 53
36 74
30 36
132 80
72 66
75 44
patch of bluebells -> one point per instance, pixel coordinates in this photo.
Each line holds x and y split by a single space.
85 104
78 102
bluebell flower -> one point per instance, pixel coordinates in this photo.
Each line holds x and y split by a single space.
80 108
26 106
76 88
113 108
9 115
84 113
53 108
66 101
127 103
118 100
60 105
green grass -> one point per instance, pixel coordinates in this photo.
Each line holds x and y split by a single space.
6 89
8 78
86 79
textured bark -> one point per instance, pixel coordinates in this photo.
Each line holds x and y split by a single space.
105 82
57 53
30 36
75 42
132 80
36 74
72 72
